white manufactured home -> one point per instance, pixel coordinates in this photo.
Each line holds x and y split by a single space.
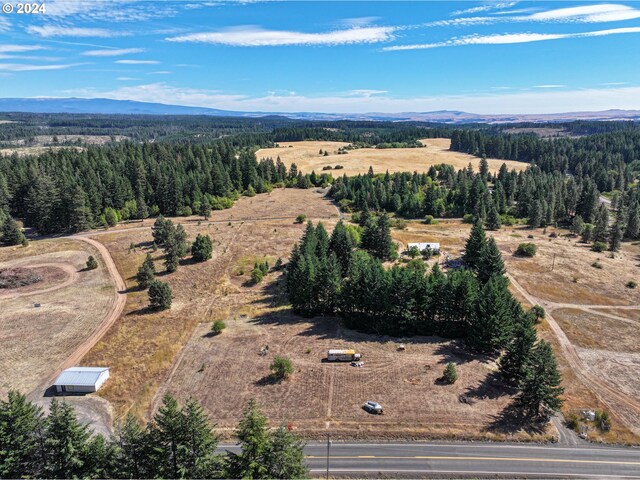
431 246
81 379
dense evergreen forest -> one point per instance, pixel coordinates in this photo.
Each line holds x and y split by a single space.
343 274
179 442
192 164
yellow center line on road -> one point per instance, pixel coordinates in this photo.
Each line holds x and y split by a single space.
499 459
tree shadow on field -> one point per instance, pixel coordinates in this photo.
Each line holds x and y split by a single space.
143 311
490 388
456 352
275 294
511 420
267 380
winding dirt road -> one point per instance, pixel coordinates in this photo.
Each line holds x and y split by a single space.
114 313
624 406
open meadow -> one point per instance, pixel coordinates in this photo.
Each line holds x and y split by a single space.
142 345
44 322
436 151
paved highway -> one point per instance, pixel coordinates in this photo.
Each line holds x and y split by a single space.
471 459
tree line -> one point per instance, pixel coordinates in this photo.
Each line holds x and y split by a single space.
336 275
179 442
71 191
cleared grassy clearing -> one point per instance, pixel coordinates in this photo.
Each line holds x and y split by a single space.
142 345
35 340
307 157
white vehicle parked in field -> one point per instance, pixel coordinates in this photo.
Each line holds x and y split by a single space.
373 407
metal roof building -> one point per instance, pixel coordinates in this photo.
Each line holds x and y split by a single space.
81 379
433 246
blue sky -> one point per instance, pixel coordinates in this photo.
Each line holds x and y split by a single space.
482 57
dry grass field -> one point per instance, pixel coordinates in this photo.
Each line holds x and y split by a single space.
603 343
142 345
36 340
25 151
225 371
306 156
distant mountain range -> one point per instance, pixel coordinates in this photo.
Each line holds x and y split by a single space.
129 107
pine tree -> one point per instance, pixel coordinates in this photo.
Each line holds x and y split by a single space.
131 451
80 218
615 236
633 224
285 456
146 273
160 295
11 232
254 446
474 246
161 230
492 326
535 214
19 448
167 434
202 248
199 444
493 218
342 245
540 389
601 228
92 263
515 359
577 225
490 262
377 239
484 168
66 443
205 208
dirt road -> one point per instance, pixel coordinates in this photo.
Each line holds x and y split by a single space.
114 313
72 277
623 406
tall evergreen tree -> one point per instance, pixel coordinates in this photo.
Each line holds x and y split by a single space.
253 436
11 232
492 326
285 456
146 273
540 389
514 362
67 443
490 262
474 246
601 228
20 454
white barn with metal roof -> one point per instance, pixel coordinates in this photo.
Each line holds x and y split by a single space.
433 246
81 379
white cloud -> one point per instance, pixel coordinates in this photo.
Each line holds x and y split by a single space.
588 13
366 93
161 72
137 62
127 79
510 38
19 48
534 101
65 31
5 25
258 37
483 8
110 10
549 86
581 14
22 67
113 52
